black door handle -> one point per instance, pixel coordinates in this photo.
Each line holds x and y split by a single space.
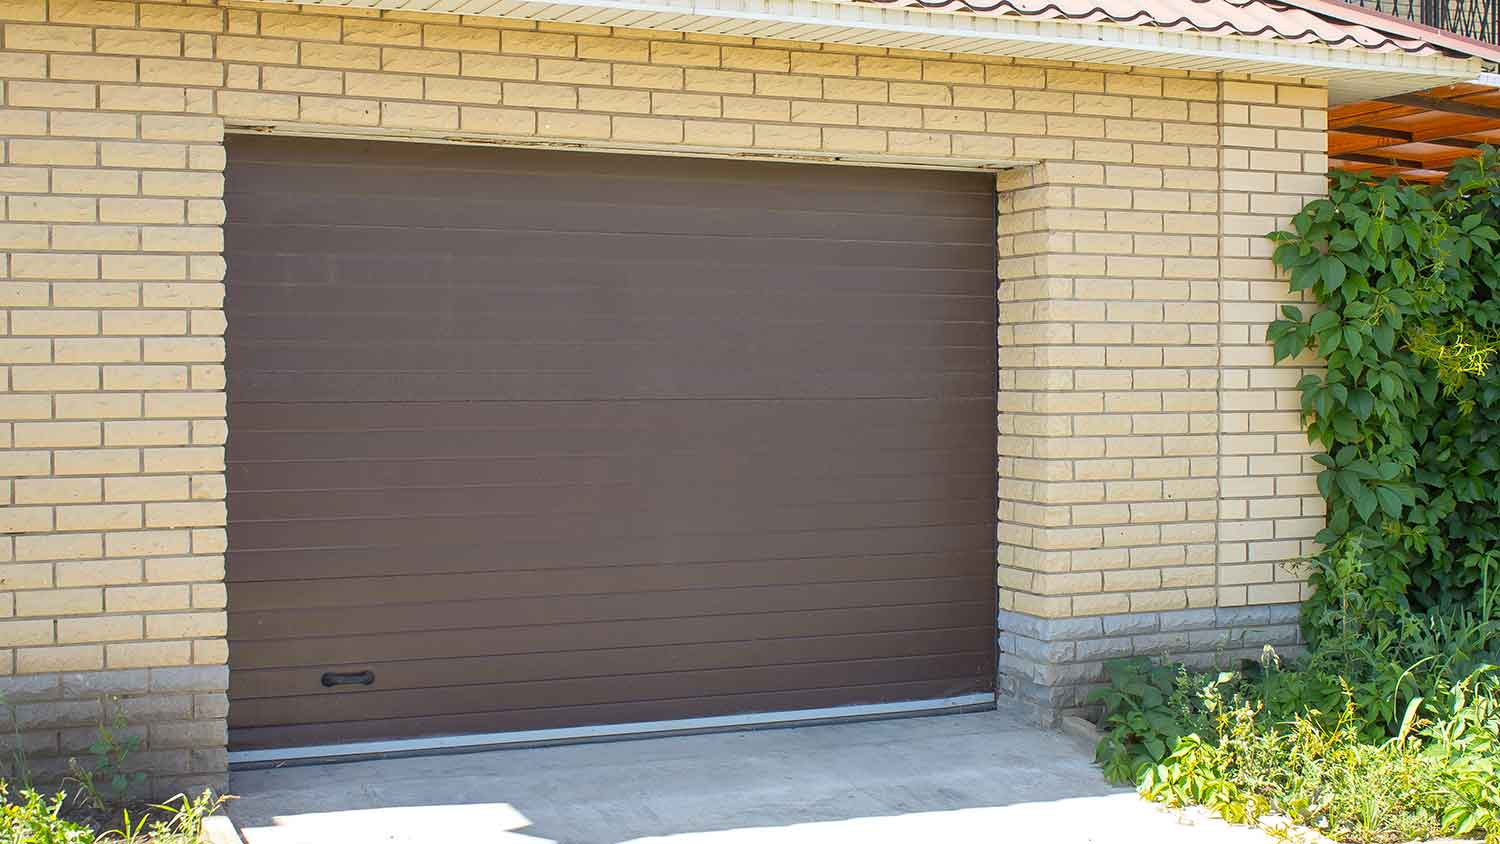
350 678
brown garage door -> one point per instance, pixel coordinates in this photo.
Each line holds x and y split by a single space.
535 439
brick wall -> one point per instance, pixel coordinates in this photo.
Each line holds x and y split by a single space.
1154 473
1150 463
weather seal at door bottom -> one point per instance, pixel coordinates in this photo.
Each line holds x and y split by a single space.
360 750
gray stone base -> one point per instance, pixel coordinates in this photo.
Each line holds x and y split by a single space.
178 714
1048 666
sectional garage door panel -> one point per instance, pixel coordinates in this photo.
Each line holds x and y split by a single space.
548 439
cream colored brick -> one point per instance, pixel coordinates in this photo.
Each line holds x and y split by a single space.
96 462
99 517
146 489
613 49
184 405
482 91
302 27
51 39
185 514
92 125
339 111
23 65
147 543
59 602
677 53
685 105
498 120
51 95
26 632
302 80
54 378
419 115
345 56
573 72
522 94
92 68
158 127
96 406
778 85
438 36
258 106
188 184
15 519
538 44
641 76
713 133
113 628
182 239
23 180
137 42
186 18
647 129
195 459
53 152
19 122
787 137
142 98
499 67
21 236
14 407
181 569
148 654
718 81
185 625
96 350
614 100
126 599
68 658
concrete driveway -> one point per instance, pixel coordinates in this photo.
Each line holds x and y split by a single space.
954 779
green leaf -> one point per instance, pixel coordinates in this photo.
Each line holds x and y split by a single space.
1362 403
1323 321
1349 483
1344 426
1155 747
1332 272
1390 502
1353 340
1292 312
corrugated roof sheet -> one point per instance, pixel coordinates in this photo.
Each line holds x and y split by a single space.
1327 22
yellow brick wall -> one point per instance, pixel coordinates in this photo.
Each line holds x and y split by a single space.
1275 158
1149 454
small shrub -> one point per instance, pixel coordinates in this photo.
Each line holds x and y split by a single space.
1254 743
1148 707
105 783
36 820
181 821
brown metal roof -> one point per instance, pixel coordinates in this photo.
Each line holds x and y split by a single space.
1414 136
1326 22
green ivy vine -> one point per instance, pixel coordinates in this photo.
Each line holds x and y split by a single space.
1405 278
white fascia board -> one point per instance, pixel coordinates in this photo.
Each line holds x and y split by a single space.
1351 73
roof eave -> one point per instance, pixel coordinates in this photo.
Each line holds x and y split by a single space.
1351 73
1390 24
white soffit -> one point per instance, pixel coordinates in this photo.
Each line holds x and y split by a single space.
1352 74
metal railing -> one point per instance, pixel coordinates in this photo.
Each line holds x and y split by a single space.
1477 19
